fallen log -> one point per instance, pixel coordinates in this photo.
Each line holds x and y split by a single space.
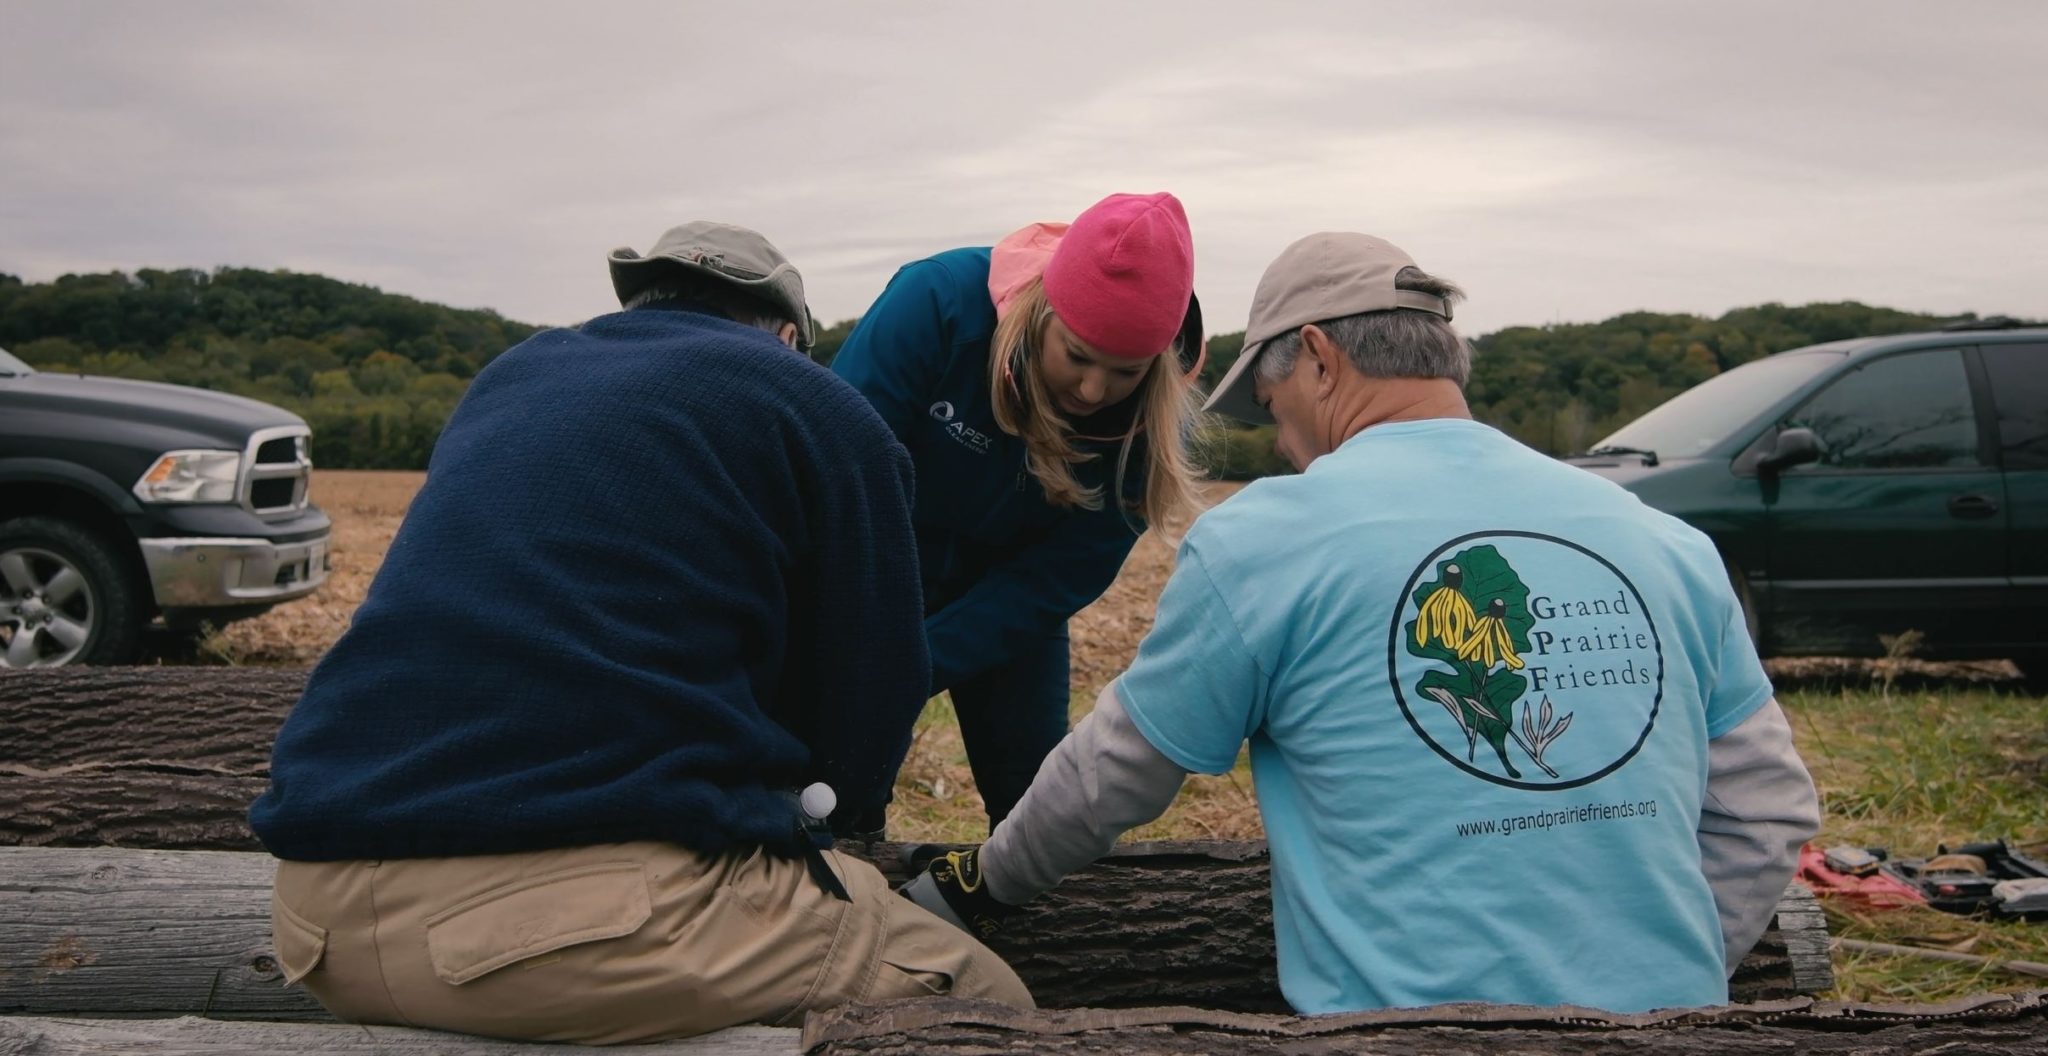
1989 1025
33 1035
1992 1025
165 933
217 718
226 718
155 805
169 758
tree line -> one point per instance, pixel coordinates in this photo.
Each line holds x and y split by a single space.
376 374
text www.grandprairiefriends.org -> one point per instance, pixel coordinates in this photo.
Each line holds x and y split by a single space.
1551 819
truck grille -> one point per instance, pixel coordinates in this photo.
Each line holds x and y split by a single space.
278 469
282 449
268 495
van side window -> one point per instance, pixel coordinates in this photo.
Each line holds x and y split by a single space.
1908 411
2019 388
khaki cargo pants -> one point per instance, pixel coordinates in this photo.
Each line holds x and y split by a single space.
613 943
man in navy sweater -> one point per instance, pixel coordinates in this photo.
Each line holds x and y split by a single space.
660 578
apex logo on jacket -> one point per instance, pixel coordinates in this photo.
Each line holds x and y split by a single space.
963 434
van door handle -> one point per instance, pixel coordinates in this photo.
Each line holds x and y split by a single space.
1972 507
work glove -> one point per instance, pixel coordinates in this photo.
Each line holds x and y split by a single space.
949 885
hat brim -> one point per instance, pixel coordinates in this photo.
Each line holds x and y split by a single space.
633 273
1235 396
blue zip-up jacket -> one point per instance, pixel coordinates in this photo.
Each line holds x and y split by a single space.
1001 565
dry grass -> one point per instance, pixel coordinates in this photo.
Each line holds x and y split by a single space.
1906 769
1909 772
366 506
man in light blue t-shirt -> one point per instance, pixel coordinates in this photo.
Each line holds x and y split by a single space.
1511 739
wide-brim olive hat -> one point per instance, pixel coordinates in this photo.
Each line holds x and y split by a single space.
728 253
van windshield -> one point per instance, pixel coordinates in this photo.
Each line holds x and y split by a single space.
1687 424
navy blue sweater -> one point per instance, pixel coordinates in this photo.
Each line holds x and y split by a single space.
661 567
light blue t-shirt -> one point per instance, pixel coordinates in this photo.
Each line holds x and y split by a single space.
1478 685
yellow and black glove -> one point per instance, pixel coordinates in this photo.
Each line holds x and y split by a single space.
950 886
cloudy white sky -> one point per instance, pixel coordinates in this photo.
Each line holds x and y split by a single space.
1565 161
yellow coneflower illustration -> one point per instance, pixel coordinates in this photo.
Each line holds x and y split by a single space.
1489 642
1446 615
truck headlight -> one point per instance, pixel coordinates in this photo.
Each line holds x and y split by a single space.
191 476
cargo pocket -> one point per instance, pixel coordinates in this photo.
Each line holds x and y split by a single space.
300 942
537 915
913 981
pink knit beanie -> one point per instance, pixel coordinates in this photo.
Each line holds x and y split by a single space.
1019 260
1121 276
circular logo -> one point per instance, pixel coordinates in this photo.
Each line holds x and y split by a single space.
1526 660
943 411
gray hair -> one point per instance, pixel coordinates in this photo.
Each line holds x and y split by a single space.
680 285
1400 343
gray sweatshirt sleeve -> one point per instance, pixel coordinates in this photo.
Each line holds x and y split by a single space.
1759 808
1103 780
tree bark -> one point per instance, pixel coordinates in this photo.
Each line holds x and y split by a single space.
144 932
127 805
217 718
2005 1027
170 758
1999 1026
193 1036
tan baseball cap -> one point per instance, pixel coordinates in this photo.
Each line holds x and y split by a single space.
1324 276
729 253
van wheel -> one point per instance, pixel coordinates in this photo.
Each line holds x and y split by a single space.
1739 580
66 597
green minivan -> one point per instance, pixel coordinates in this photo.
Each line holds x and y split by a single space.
1867 487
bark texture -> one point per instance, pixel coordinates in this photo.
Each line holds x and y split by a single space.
161 933
1995 1025
169 758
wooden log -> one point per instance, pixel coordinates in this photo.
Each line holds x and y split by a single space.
1998 1025
1990 1025
169 758
152 805
192 1036
215 718
143 932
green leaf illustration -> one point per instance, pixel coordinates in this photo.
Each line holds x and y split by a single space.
1488 576
1485 576
1484 699
1459 685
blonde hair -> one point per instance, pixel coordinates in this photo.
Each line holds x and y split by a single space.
1025 409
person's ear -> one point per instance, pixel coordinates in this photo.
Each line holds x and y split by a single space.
1328 359
788 333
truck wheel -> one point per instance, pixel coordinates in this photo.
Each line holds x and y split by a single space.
66 597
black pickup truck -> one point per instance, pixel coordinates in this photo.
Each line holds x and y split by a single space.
122 502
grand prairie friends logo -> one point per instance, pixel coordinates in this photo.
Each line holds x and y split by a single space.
1526 660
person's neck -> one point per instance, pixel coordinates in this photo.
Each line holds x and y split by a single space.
1378 401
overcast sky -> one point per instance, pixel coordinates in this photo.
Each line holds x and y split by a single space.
1564 161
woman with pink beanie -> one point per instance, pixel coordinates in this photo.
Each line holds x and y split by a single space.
1044 390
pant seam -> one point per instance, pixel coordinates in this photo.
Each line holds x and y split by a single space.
831 954
377 949
873 969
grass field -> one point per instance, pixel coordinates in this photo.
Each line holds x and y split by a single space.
1904 769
